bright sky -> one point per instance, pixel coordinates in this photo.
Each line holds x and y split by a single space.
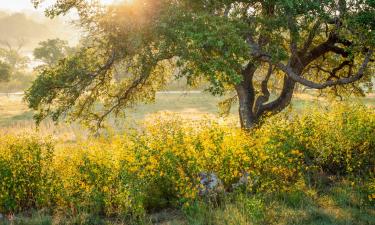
11 6
21 5
16 5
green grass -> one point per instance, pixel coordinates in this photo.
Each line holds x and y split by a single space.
337 204
13 110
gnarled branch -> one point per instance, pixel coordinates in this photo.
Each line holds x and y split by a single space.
297 78
265 92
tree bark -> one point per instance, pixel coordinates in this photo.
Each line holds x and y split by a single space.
250 110
246 97
247 117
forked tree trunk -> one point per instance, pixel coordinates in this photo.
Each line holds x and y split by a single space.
246 97
252 107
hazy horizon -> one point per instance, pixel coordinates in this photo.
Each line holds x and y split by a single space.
21 22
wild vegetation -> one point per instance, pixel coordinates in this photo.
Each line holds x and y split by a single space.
299 166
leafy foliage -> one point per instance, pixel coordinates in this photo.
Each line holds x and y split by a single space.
12 56
51 51
12 68
230 44
4 72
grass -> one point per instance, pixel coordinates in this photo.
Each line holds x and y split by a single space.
14 112
337 204
15 117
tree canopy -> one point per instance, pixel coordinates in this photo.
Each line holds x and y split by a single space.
12 56
52 50
250 47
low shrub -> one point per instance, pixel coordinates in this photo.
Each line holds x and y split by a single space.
27 179
338 141
93 182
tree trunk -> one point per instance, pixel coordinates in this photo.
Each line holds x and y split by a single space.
246 97
247 118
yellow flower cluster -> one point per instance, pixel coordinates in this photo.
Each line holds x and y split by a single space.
26 180
160 163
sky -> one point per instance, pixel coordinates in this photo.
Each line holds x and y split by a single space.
49 29
16 5
25 5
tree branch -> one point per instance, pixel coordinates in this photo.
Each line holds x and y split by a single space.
265 92
297 78
311 36
282 101
321 49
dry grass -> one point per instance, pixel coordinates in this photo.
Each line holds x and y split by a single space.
15 115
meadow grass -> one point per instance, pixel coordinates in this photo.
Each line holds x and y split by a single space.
14 112
336 204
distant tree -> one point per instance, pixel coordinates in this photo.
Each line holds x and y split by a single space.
13 56
12 62
52 50
4 71
251 47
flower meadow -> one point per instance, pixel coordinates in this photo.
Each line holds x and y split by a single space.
160 165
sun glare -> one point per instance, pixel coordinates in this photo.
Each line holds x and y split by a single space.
110 2
107 2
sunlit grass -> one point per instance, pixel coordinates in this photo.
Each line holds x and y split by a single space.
14 113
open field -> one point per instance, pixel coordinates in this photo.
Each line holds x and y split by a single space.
14 112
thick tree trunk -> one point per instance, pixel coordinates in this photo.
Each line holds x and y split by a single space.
250 111
246 114
246 96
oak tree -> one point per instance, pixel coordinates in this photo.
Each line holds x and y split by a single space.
253 47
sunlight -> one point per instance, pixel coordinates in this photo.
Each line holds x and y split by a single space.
107 2
110 2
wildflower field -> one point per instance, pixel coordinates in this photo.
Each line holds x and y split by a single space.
315 167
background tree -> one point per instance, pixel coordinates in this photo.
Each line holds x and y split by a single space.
13 68
4 71
12 56
240 45
11 61
51 51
